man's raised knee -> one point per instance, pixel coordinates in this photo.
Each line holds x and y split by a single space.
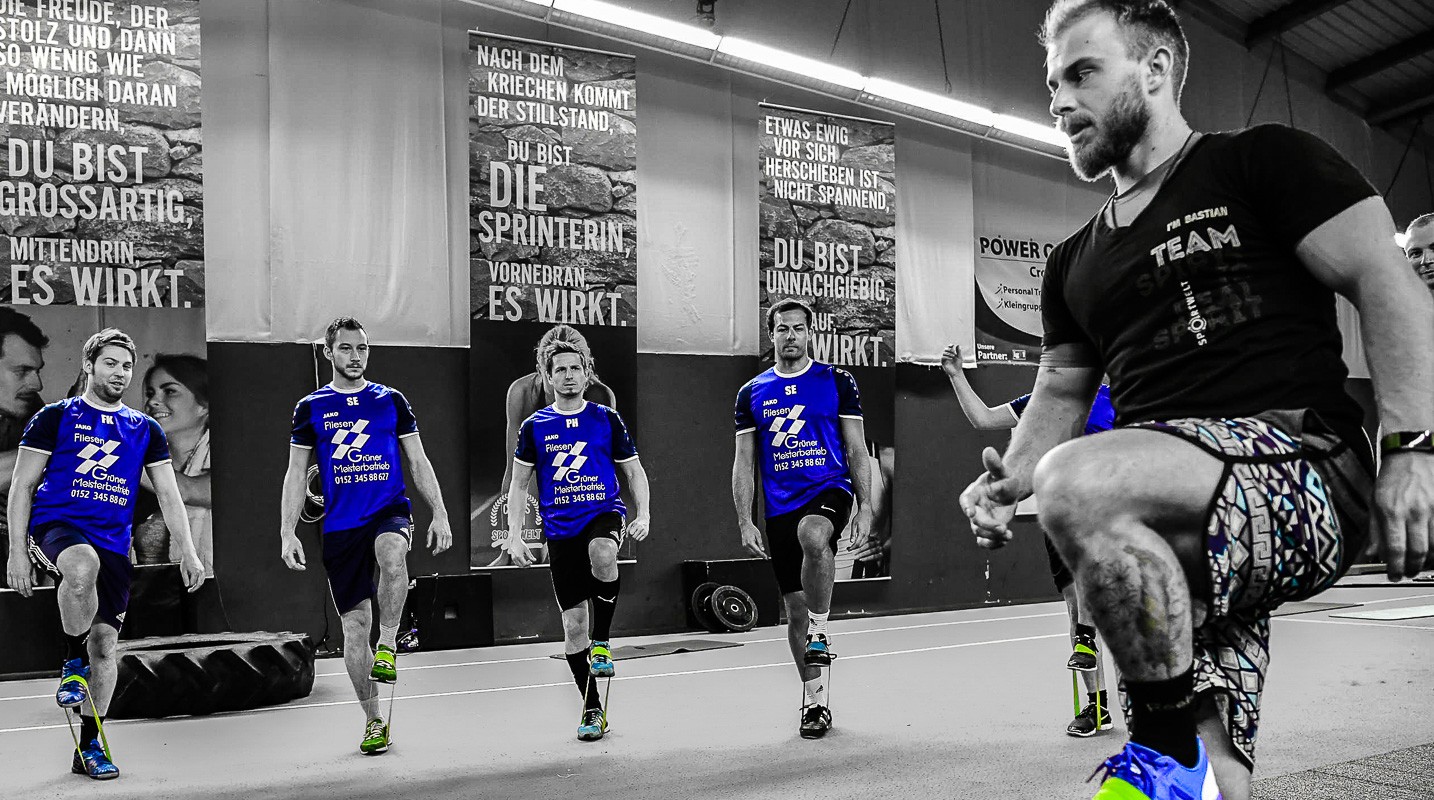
79 567
815 535
1064 492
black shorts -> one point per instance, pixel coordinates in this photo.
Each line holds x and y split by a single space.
833 504
1059 573
111 584
570 564
349 558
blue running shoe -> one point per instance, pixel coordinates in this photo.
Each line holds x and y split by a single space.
601 665
94 762
1139 773
593 726
818 654
74 685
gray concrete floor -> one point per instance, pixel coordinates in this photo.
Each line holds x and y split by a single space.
954 704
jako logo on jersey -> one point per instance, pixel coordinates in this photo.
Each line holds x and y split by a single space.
569 471
104 462
780 437
342 446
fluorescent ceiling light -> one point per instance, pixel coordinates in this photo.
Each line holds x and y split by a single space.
1031 130
543 3
931 102
787 62
638 21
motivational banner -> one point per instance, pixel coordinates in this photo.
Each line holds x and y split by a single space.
827 230
553 220
1009 269
827 235
553 183
102 218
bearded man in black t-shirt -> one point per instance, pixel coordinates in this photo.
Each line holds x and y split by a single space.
1238 475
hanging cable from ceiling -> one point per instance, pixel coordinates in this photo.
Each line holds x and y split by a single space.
1409 145
1261 89
941 37
840 26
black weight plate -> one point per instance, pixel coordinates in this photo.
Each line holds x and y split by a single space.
734 608
702 608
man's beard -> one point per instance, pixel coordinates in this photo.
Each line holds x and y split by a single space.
106 393
1116 135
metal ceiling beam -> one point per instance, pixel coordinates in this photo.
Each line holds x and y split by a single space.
1395 113
1376 63
1224 22
1286 17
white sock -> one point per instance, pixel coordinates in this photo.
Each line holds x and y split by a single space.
388 637
818 623
816 690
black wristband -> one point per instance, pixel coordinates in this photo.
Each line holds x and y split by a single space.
1407 442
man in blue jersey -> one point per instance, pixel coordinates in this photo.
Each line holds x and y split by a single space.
358 428
802 421
575 447
1085 654
75 483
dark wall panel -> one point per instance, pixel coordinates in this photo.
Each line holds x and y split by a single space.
684 405
253 390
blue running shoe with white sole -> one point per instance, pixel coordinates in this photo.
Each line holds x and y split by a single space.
1139 773
601 665
593 726
74 684
94 762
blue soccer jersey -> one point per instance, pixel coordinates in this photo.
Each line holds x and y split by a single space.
1102 415
575 454
355 435
799 441
92 478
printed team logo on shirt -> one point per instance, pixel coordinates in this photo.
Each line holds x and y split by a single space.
343 445
104 462
569 462
787 426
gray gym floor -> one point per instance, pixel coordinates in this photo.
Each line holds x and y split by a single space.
954 704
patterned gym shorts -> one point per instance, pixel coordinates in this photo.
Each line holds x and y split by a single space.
1287 521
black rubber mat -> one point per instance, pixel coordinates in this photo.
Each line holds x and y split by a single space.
665 648
1306 606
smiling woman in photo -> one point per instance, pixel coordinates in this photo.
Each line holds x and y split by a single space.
176 394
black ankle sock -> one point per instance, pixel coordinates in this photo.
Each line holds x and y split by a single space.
89 729
587 684
1085 630
1104 703
78 647
1162 716
604 605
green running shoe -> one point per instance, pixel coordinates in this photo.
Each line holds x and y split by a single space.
1085 657
384 669
601 665
375 737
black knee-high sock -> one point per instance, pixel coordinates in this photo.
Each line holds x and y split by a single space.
587 684
604 605
78 647
89 729
1162 716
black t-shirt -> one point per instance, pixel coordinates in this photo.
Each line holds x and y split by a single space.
1200 307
